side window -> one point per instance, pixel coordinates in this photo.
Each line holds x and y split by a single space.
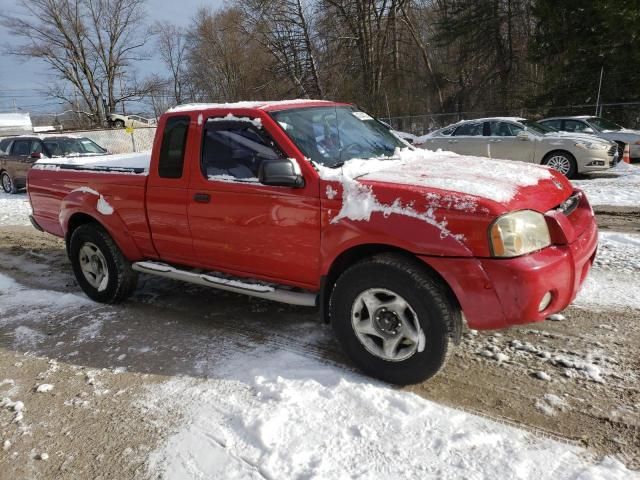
556 124
4 146
21 147
54 148
36 146
174 139
469 129
235 150
504 129
574 126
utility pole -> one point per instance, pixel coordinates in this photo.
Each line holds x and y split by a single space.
599 89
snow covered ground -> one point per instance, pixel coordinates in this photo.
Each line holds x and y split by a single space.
280 415
613 283
619 186
14 209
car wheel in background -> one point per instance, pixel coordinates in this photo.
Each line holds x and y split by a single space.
392 318
100 268
8 184
118 124
563 162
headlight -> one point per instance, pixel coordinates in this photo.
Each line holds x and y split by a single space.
592 146
519 233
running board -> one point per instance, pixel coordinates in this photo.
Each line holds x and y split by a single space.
236 285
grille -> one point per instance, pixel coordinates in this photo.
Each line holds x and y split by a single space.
613 150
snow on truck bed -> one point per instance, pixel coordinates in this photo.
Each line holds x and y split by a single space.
125 163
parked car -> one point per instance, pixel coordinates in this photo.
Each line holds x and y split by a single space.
317 204
117 120
17 155
513 138
600 127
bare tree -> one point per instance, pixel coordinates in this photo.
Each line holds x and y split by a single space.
283 28
172 47
90 44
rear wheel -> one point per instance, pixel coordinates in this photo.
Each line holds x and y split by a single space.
392 318
563 162
8 185
100 268
118 124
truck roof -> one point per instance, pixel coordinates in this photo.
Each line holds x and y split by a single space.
253 105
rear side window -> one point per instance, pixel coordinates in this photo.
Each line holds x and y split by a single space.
557 124
174 140
469 129
4 146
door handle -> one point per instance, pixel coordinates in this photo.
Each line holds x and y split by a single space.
495 140
453 141
202 197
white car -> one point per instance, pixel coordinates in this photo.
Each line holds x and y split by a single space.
117 120
599 127
514 138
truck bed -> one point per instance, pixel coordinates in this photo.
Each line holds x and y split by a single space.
109 188
124 163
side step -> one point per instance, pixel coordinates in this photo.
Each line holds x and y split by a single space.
236 285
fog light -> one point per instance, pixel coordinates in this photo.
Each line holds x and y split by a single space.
544 303
595 163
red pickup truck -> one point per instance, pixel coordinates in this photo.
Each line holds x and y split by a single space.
317 203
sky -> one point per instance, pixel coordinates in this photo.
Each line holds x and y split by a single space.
22 81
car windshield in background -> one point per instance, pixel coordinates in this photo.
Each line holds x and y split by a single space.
602 124
332 135
537 127
61 147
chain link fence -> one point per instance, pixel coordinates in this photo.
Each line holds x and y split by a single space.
625 114
117 140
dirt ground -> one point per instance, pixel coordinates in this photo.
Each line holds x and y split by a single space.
100 359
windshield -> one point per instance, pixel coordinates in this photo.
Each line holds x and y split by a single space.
602 124
332 135
537 127
60 147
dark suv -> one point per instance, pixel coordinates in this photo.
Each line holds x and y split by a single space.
17 154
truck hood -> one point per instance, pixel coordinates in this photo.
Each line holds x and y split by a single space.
420 177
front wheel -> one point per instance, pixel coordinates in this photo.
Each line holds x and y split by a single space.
8 185
562 162
100 268
392 319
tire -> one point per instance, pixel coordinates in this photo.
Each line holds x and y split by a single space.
427 307
91 249
562 162
8 185
118 124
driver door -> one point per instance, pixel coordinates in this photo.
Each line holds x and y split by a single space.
239 225
504 143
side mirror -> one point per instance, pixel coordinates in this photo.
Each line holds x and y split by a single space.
588 130
36 155
280 173
522 135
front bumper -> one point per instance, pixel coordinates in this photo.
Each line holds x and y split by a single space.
496 293
597 162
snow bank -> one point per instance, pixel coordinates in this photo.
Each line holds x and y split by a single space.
14 209
619 186
281 415
613 282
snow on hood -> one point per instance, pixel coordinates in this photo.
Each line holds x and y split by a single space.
496 180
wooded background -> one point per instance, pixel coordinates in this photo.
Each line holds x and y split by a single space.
394 58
